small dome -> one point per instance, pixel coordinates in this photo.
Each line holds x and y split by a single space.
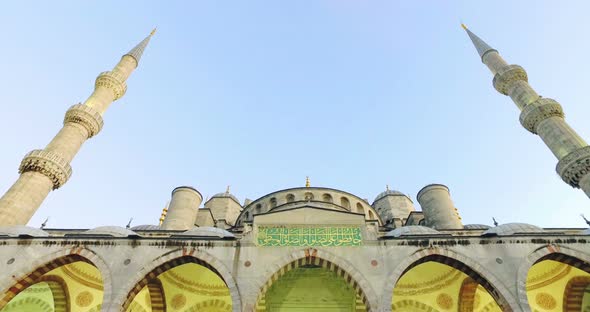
585 232
115 231
389 192
512 228
146 227
476 227
412 230
17 230
225 195
207 231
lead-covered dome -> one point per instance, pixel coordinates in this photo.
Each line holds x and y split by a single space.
412 230
476 227
18 230
512 228
389 192
226 194
146 227
207 231
115 231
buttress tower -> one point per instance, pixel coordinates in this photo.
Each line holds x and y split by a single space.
48 169
541 116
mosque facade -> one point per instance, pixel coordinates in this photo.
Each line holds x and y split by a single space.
300 249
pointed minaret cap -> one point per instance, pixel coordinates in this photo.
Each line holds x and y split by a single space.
137 51
480 45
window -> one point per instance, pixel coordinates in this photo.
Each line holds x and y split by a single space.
290 198
327 198
359 208
371 215
344 202
308 196
273 203
258 209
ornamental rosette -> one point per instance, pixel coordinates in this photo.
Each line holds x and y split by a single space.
538 111
507 76
50 164
113 81
574 166
85 116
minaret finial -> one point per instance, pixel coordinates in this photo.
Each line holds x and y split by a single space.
137 51
153 31
307 182
481 46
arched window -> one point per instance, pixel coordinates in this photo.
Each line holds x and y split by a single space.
344 202
290 198
371 215
258 209
308 196
327 198
273 202
247 215
359 208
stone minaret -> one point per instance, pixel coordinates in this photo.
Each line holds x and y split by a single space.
542 116
47 169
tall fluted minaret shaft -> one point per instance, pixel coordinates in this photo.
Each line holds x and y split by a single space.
542 116
48 169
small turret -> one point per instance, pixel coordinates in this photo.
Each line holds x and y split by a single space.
438 208
393 206
183 209
225 208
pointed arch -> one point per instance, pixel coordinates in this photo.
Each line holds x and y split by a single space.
557 253
173 259
157 298
497 289
467 295
574 293
59 290
32 274
323 259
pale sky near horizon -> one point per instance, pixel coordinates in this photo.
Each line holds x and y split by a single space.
260 94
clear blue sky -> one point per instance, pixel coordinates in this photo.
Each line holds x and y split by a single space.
260 94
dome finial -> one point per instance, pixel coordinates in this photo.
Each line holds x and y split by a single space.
387 187
153 31
227 190
307 182
463 26
164 212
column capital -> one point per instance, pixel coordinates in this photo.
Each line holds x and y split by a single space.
114 81
86 116
50 164
573 166
506 76
538 111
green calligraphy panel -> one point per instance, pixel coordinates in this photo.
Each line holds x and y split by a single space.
309 236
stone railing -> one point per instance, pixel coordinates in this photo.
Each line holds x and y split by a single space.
573 166
113 81
85 116
50 164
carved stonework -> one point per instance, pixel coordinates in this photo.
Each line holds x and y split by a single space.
50 164
538 111
574 166
85 116
113 81
506 76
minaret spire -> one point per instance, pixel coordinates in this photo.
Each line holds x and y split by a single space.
481 46
48 169
541 116
137 51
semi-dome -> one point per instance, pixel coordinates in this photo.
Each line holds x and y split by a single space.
476 227
115 231
412 230
512 228
389 192
146 227
18 230
207 231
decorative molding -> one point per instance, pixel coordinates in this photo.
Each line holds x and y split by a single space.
573 166
50 164
538 111
112 80
506 76
85 116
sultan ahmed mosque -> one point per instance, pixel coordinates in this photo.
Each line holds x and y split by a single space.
304 248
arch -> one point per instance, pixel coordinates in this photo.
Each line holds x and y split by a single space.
273 202
308 196
467 295
59 291
344 202
171 260
371 215
558 253
327 198
359 208
574 293
290 198
496 288
49 262
157 298
257 210
414 305
326 260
